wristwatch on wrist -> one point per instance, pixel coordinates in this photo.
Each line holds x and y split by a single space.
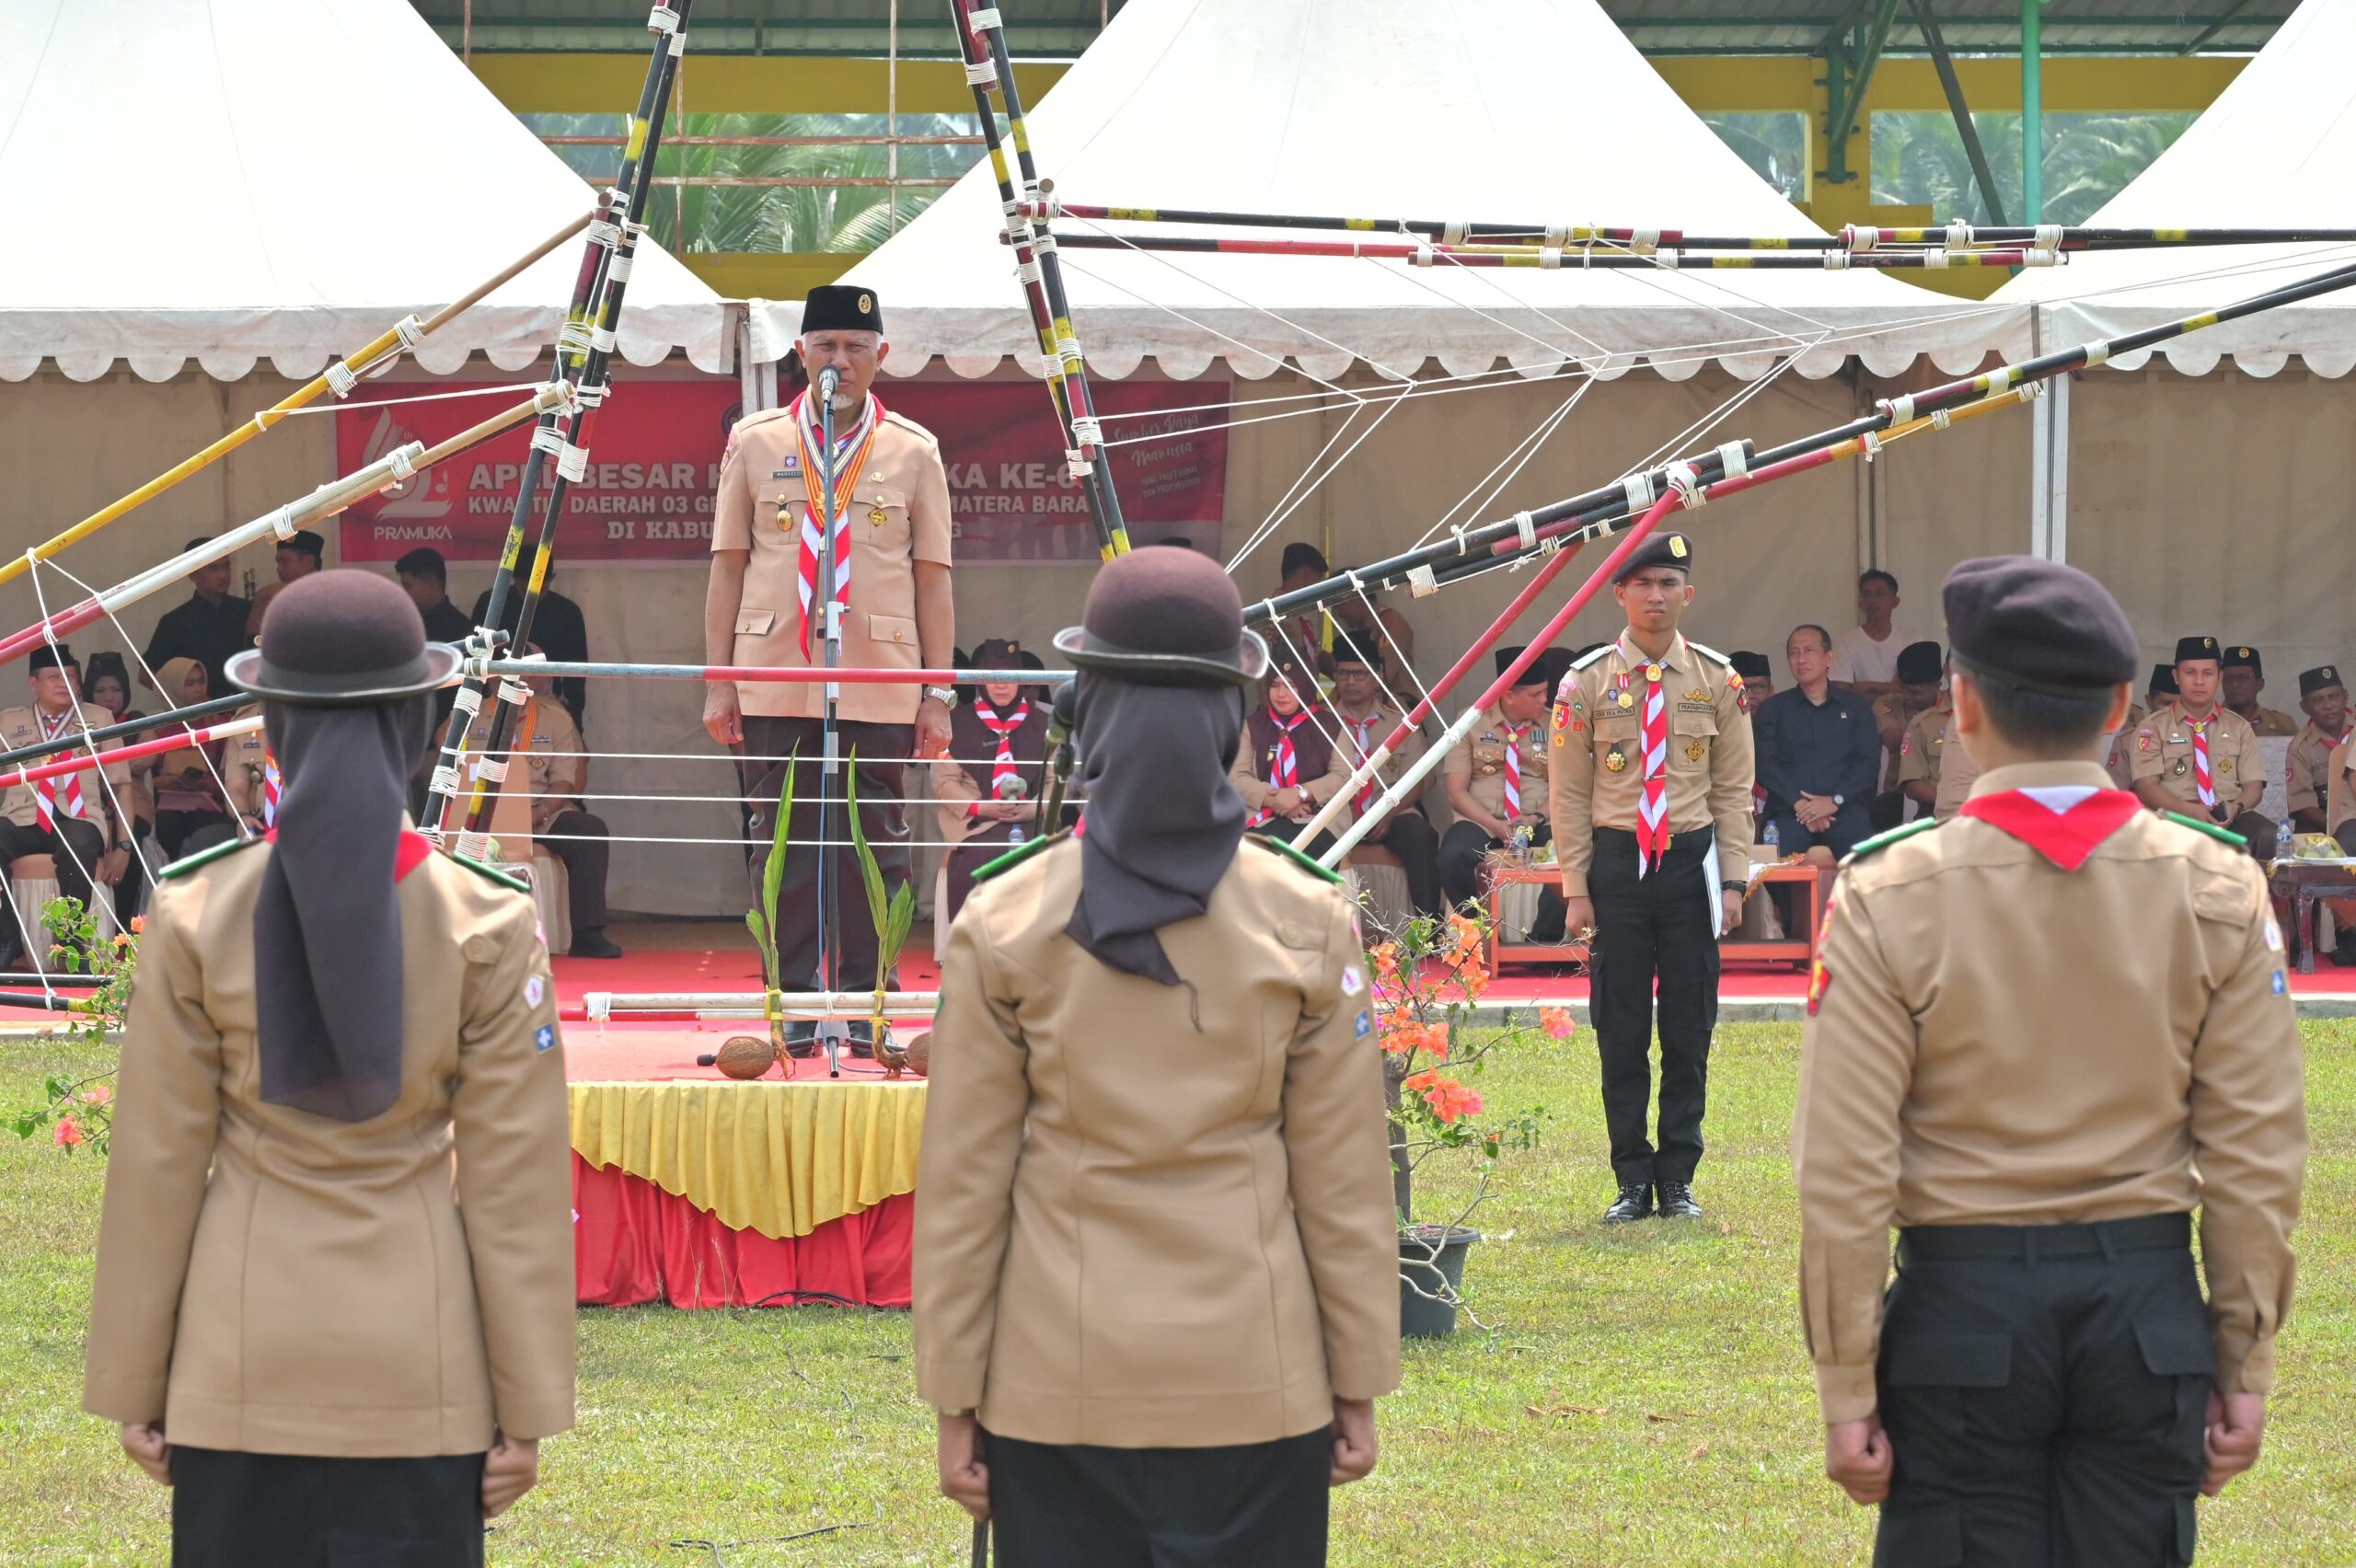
1840 800
960 1412
945 696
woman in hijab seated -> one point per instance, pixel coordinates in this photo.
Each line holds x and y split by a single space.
1154 1035
334 1299
211 792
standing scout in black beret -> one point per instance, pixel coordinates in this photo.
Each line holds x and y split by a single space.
2198 757
2242 677
334 1304
764 607
1991 1067
2323 698
1156 1259
1651 807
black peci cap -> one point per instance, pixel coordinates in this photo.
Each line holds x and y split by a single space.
2037 626
1919 663
51 656
1300 556
2163 680
1349 649
841 307
1750 666
2244 658
1534 675
1660 549
1553 665
2194 648
2323 677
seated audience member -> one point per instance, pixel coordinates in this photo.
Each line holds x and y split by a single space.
209 794
2325 701
2243 677
209 627
559 763
299 555
1918 680
1289 765
73 818
107 683
1382 627
1934 770
1497 781
2196 757
1866 658
2161 690
1364 719
1757 673
993 783
1818 754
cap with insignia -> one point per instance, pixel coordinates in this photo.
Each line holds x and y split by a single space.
1919 662
841 307
1750 666
2323 677
2244 658
2037 626
1660 549
1534 675
1163 616
2194 648
2163 680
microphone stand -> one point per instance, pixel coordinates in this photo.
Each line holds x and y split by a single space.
832 1032
1061 717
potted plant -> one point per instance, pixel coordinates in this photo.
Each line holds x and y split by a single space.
1427 979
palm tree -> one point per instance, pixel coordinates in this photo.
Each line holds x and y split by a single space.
2088 158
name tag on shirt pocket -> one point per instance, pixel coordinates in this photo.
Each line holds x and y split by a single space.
755 623
891 633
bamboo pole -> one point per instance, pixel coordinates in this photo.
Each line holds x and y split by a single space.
1558 257
173 742
382 351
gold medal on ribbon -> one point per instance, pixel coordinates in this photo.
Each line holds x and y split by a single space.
1615 759
1627 700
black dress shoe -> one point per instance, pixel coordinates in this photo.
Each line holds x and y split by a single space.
2344 955
801 1040
862 1038
1676 1201
1634 1203
591 942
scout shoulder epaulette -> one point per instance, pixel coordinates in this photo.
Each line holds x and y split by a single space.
1591 658
1709 652
1017 855
762 416
186 864
505 879
1880 841
1277 846
2222 835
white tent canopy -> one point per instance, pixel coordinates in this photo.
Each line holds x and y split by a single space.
229 181
2273 152
1494 109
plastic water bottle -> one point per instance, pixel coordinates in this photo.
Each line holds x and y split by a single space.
2282 846
1772 836
1523 839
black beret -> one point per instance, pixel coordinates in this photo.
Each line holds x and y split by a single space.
2038 624
1659 549
2194 648
1298 555
2244 658
841 307
1751 666
49 655
2321 678
1353 649
2163 680
1534 675
1919 662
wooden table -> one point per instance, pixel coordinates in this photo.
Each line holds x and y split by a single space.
1797 948
2304 884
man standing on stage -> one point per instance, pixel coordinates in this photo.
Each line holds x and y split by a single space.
1652 828
763 608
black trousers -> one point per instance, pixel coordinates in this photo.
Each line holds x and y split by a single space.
2044 1389
1411 837
1850 826
580 843
882 761
2254 826
1254 1505
233 1510
1658 928
1288 830
75 858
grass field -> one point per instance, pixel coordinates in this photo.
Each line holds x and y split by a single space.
1644 1399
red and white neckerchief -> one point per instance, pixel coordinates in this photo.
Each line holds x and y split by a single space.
1362 733
852 450
1514 735
272 785
53 796
2064 823
1284 765
1003 766
2203 779
1652 808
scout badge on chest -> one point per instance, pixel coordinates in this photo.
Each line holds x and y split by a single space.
1695 750
1616 759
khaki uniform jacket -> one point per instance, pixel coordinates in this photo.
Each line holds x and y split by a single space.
2037 1073
2163 747
1480 760
1931 753
899 516
2271 721
2308 762
555 753
2340 805
21 727
1325 767
1894 708
1710 756
1136 1233
270 1281
1385 719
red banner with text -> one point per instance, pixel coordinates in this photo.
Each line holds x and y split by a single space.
654 467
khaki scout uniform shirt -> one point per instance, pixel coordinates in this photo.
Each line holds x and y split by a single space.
2340 803
1987 1081
2308 788
2164 750
555 755
899 514
1894 708
1385 720
2271 722
21 727
1931 753
1480 759
1710 771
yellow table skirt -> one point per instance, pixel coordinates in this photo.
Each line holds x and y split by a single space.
782 1159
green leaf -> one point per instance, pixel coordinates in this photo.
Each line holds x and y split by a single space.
869 871
773 872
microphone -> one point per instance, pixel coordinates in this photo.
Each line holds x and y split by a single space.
827 378
1062 719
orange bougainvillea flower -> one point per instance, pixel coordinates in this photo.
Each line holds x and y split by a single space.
69 1133
1449 1100
1386 960
1405 1037
1557 1022
96 1094
138 924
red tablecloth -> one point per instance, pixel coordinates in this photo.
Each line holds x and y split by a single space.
634 1242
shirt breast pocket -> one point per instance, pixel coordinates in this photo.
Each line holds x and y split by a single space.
1615 727
879 514
1691 736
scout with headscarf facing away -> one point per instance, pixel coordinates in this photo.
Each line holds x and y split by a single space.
1156 1033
